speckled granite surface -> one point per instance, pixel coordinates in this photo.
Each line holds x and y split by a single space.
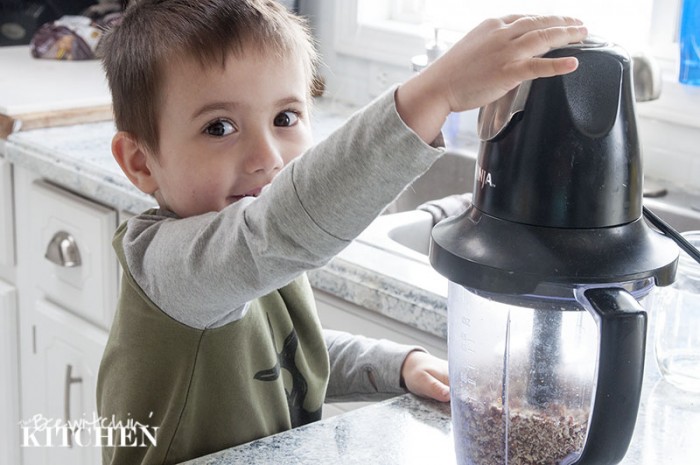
408 430
79 158
401 431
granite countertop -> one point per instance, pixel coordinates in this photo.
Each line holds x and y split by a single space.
79 158
404 430
409 430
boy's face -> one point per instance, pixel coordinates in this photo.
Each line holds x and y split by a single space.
225 133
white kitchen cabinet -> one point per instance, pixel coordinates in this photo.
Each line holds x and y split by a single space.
9 350
59 380
338 314
65 305
341 315
9 375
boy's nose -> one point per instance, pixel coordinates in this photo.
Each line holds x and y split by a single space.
263 155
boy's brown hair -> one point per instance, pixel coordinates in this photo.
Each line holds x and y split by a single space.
153 32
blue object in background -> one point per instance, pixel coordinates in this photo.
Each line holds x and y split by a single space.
690 43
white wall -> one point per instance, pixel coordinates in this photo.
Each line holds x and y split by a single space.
349 79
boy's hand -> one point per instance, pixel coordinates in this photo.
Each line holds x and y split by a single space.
426 376
484 65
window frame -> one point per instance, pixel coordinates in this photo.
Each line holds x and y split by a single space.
394 43
384 41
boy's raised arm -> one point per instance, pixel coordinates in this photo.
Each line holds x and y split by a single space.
483 66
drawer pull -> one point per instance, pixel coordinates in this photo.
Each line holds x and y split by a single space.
70 380
63 250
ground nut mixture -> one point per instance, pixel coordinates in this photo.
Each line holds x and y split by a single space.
536 436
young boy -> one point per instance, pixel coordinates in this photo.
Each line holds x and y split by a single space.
216 341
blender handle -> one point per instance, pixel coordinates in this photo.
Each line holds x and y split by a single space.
622 324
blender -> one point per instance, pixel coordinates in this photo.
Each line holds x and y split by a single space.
550 271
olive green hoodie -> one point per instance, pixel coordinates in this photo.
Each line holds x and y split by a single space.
216 341
209 389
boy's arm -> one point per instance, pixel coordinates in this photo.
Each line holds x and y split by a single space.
364 369
202 270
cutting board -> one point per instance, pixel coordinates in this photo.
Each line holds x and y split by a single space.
38 93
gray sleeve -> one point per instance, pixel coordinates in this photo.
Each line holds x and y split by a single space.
203 270
447 206
364 369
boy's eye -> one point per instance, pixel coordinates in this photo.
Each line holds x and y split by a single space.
219 128
286 118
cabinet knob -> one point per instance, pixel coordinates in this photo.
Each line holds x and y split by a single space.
63 250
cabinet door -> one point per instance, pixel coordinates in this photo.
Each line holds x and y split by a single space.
71 252
338 314
9 375
58 384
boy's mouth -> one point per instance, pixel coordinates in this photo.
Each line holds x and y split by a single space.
251 193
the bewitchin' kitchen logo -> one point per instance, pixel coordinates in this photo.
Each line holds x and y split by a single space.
40 431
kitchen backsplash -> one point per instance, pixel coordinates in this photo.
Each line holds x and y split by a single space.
671 151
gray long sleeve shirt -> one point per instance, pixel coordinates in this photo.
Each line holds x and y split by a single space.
204 271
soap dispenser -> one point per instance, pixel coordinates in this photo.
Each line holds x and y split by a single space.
433 50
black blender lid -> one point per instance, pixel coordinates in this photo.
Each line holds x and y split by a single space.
483 252
558 187
494 117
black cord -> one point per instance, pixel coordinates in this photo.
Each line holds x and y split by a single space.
666 229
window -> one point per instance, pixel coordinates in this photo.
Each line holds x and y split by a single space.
647 24
393 31
603 17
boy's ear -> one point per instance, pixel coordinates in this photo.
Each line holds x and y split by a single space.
132 159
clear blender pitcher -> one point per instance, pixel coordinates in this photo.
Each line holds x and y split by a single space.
525 373
550 269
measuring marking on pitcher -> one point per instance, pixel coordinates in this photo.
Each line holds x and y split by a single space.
469 346
469 380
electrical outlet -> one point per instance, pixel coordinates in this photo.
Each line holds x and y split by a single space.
383 76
